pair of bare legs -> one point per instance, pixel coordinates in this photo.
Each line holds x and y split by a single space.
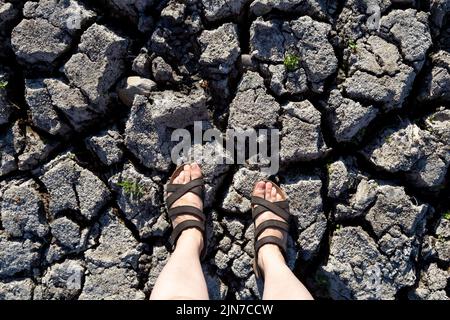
182 277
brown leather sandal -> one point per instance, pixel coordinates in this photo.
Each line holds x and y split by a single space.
177 191
281 209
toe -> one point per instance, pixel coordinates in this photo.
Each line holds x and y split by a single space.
187 173
273 195
196 172
181 177
268 190
177 179
259 189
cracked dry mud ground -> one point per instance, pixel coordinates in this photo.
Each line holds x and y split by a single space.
365 141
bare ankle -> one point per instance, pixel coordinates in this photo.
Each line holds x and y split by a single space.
270 255
190 239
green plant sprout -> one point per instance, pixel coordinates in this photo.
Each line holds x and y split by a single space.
352 45
131 188
291 62
3 84
446 215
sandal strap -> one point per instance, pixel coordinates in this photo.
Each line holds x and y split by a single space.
174 212
280 208
270 240
179 190
187 224
273 224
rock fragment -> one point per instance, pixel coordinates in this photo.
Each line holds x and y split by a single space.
107 146
17 290
432 284
423 157
73 188
62 281
48 30
304 40
138 197
220 49
301 136
97 65
253 106
17 256
437 80
22 211
221 9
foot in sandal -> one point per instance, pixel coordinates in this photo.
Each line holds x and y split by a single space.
184 202
270 210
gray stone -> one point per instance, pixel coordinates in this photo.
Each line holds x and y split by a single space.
237 198
48 98
135 86
73 188
6 107
48 30
437 80
142 64
72 103
273 40
10 145
221 9
43 114
341 177
177 109
253 106
117 246
378 74
149 142
36 150
175 37
111 284
141 206
301 136
409 29
305 204
283 81
220 49
22 211
319 8
38 41
432 284
411 150
356 269
17 290
66 232
393 207
97 65
162 71
106 146
62 281
17 256
348 118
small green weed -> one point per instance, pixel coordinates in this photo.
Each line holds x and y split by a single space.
291 62
3 84
131 188
352 45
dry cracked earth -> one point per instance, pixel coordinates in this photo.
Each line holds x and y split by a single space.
90 92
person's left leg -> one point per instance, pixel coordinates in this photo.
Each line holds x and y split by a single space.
182 277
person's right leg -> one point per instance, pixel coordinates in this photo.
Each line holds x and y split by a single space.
279 281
